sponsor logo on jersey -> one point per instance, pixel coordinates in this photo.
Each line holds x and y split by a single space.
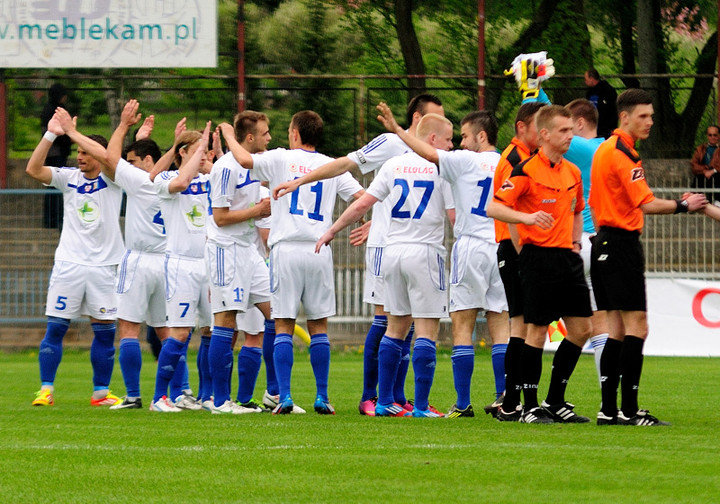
360 157
429 170
196 217
296 168
573 204
552 200
507 185
88 212
637 174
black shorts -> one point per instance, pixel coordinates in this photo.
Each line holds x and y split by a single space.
553 285
508 264
617 270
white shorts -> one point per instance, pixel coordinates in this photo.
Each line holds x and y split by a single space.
79 289
141 288
585 254
187 293
474 276
251 321
373 287
414 276
298 274
239 277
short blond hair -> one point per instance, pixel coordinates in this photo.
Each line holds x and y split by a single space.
186 139
431 123
545 116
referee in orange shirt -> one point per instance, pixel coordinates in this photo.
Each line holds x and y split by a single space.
544 197
619 197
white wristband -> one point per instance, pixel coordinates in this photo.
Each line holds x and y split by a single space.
49 136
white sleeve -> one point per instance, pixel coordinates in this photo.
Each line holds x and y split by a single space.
129 177
222 186
347 186
380 186
162 183
447 194
60 178
266 164
372 156
449 164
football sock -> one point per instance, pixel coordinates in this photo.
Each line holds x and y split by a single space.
283 356
399 388
320 361
513 374
463 362
180 378
498 362
389 355
597 343
370 356
610 376
51 349
220 357
130 358
205 388
531 371
152 338
631 361
267 351
102 354
168 359
424 359
564 362
249 360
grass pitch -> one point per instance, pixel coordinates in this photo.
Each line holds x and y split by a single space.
75 453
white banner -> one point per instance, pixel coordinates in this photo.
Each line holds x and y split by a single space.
684 317
108 33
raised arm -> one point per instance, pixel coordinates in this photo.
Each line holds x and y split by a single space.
238 151
167 159
351 214
189 170
90 146
328 170
421 148
128 118
36 164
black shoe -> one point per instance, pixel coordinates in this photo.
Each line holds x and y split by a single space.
603 419
456 412
493 407
513 416
536 415
126 404
563 413
642 418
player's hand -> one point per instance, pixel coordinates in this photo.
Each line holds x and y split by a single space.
541 219
227 130
324 240
180 128
530 70
146 129
129 115
284 188
709 172
54 126
217 143
263 207
204 141
696 202
359 235
66 122
387 118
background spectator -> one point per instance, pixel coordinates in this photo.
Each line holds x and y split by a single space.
603 96
705 163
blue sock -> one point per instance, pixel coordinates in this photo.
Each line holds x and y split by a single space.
51 348
205 389
424 359
463 362
320 361
370 356
102 354
267 351
130 359
220 357
389 355
283 357
249 360
399 390
498 363
178 383
168 359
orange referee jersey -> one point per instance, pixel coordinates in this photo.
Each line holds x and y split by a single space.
513 155
618 187
538 184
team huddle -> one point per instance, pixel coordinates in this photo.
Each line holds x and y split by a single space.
547 230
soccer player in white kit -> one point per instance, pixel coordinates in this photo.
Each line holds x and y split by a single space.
369 159
83 276
413 262
238 273
297 274
475 278
184 207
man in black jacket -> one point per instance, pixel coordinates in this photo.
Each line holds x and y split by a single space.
603 96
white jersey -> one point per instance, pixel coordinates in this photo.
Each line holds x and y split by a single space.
307 213
371 158
91 208
144 225
264 223
419 199
185 214
471 177
235 188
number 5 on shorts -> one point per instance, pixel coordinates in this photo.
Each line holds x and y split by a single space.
61 304
186 307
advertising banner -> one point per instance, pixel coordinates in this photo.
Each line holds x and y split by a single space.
108 33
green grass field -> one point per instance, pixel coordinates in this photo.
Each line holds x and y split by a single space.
74 453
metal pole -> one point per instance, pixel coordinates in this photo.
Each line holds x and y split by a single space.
3 132
241 54
481 54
